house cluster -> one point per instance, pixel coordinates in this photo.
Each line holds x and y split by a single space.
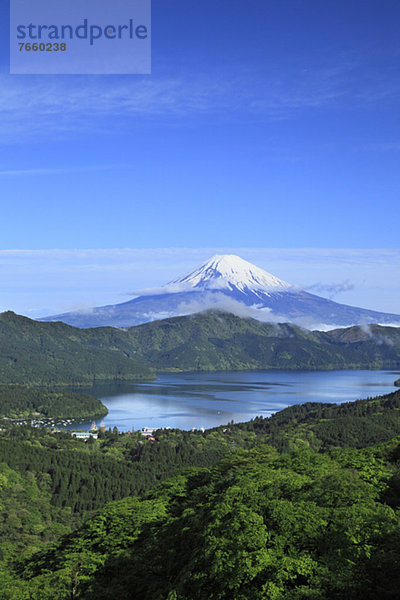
148 432
41 422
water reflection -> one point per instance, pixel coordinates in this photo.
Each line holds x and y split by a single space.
207 400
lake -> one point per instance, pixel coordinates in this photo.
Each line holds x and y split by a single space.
210 399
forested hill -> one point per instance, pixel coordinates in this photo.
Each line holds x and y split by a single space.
23 402
54 353
50 353
213 341
323 425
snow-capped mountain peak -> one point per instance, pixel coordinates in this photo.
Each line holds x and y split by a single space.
227 282
228 271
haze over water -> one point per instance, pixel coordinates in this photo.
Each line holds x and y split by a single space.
210 399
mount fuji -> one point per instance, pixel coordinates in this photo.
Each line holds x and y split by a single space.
229 283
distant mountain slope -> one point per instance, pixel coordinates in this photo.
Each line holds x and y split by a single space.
48 353
54 353
213 341
227 282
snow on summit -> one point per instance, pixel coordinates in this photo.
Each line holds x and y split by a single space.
228 271
227 282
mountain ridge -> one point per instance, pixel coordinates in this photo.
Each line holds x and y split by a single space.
56 353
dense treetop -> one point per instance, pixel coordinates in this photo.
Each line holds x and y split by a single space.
300 505
258 525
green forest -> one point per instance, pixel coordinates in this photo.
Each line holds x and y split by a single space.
52 354
24 402
304 504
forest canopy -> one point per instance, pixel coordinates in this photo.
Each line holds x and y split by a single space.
303 504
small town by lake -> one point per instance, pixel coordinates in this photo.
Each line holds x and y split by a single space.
196 400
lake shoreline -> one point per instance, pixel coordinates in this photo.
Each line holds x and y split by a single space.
194 400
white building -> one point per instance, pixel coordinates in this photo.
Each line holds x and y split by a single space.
148 430
83 435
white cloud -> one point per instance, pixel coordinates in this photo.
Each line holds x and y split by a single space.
220 302
37 106
330 289
53 171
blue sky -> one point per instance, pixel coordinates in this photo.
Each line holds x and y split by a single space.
264 124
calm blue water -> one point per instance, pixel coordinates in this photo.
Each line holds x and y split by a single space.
210 399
